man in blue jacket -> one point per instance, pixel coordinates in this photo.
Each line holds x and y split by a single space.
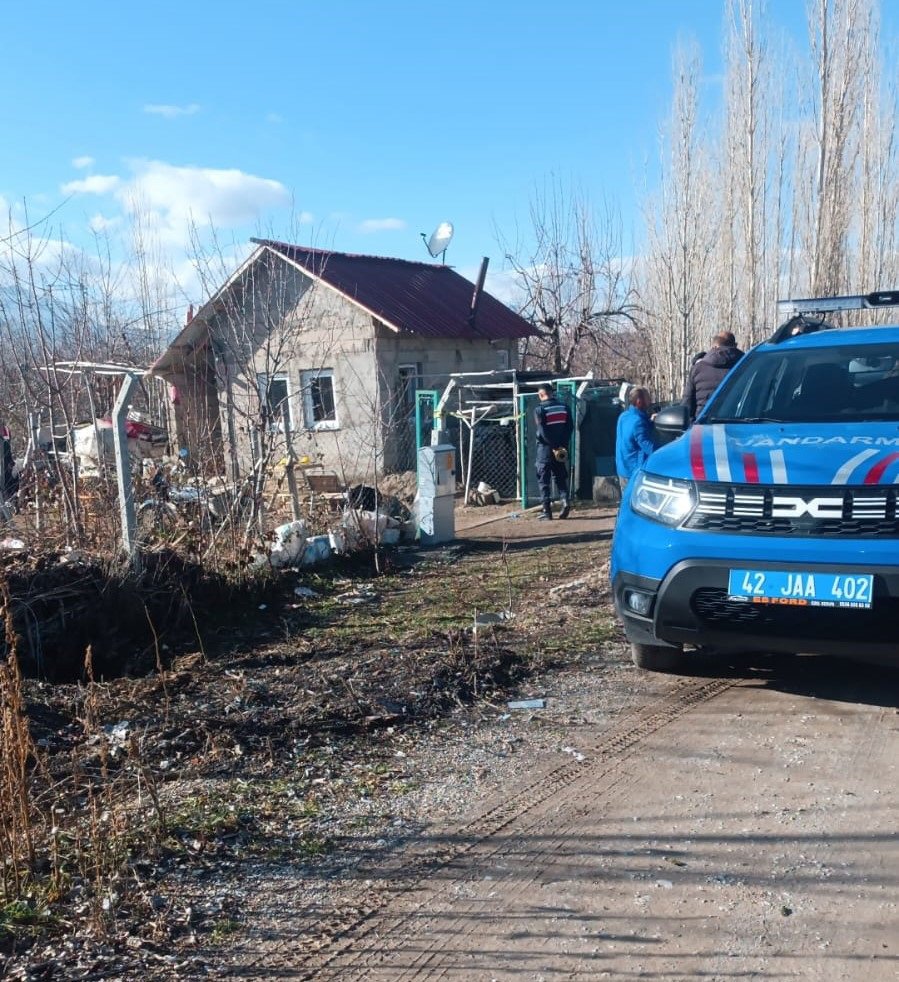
634 436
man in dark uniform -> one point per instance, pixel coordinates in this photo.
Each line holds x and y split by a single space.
554 427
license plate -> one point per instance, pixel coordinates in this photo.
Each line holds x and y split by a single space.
799 589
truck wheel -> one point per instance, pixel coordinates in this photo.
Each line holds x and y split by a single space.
656 657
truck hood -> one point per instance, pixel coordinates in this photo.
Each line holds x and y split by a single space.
773 453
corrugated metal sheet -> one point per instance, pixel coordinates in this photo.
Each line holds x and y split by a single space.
422 298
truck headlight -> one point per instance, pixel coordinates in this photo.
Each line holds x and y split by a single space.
662 499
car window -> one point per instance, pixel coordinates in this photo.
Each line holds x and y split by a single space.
844 383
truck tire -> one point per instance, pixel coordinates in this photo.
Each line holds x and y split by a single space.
656 657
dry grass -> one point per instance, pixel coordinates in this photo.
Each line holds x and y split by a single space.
232 751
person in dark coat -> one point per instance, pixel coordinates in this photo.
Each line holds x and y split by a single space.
707 373
554 428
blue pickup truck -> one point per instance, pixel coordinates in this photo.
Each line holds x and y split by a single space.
772 523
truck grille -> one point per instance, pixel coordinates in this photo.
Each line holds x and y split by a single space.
880 624
854 512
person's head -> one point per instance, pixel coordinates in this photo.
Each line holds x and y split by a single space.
544 391
638 397
724 339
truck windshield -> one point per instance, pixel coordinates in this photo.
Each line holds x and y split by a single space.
850 383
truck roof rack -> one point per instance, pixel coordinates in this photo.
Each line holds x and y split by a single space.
799 323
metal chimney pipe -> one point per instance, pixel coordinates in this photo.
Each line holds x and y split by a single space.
478 289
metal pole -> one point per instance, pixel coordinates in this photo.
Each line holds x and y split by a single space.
471 427
123 470
515 430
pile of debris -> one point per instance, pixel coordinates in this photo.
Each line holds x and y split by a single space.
369 521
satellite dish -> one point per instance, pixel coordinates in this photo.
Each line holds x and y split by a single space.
440 239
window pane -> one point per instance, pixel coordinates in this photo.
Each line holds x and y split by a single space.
322 392
273 392
817 384
277 396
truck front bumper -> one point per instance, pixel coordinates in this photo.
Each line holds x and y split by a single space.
690 606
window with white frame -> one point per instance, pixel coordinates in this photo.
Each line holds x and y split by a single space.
319 404
274 396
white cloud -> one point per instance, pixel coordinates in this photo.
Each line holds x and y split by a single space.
182 196
171 112
82 163
95 184
503 284
100 223
382 225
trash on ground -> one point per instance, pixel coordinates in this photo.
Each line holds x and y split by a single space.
484 494
338 540
568 587
578 756
363 594
304 591
316 549
289 544
526 704
488 619
12 544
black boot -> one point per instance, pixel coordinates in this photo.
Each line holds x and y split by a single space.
547 513
566 508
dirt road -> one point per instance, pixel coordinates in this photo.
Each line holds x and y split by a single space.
730 827
345 793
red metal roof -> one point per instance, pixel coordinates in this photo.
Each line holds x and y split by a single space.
422 298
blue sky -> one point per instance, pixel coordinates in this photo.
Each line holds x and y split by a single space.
367 122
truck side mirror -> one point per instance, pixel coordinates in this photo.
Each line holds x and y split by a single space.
671 422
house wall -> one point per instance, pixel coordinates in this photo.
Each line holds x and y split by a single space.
288 325
436 359
275 321
196 413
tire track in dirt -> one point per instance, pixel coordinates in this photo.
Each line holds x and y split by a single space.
343 947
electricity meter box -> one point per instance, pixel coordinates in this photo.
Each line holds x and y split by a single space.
436 494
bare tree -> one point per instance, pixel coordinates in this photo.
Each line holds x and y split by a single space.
683 227
840 38
876 264
574 280
752 190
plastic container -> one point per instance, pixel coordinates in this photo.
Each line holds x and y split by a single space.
318 550
289 544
